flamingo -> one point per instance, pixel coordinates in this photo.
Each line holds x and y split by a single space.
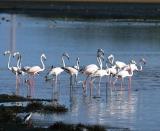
122 74
55 71
14 69
112 71
99 74
19 58
90 69
73 71
32 71
128 71
37 69
119 64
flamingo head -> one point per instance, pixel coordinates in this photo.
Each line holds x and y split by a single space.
43 56
66 55
78 60
16 53
111 58
142 60
133 62
100 56
100 51
7 52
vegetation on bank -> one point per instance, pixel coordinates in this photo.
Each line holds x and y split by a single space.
34 105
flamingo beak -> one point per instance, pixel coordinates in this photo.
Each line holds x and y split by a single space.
143 60
100 51
66 54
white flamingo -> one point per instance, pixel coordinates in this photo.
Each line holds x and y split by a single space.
128 71
32 71
118 64
37 69
19 59
99 74
90 69
73 71
56 71
14 69
112 70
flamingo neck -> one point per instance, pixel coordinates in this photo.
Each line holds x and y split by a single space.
63 62
99 62
43 66
19 61
106 65
111 60
9 61
140 65
77 65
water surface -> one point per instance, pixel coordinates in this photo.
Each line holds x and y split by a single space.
137 109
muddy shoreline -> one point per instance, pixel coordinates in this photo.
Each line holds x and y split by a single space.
85 10
10 120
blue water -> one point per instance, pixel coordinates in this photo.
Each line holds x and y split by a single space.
136 109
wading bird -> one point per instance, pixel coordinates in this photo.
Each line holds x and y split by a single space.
128 71
119 64
91 68
73 71
56 71
14 69
27 119
99 74
32 71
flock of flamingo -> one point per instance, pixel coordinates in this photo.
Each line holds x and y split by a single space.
113 70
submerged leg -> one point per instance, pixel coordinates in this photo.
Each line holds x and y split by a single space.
17 85
84 84
91 85
122 83
129 84
99 84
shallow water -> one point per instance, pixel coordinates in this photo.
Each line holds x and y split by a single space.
137 108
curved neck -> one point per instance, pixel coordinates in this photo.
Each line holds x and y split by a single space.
99 62
43 66
9 61
63 62
112 60
77 64
106 65
19 61
140 67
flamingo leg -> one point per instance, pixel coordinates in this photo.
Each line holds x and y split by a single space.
76 79
129 85
91 85
98 88
56 89
113 83
17 85
121 83
84 84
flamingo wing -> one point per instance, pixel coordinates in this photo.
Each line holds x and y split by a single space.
34 70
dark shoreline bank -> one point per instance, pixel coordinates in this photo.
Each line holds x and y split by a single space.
86 10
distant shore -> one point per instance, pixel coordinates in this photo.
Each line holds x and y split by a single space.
86 10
